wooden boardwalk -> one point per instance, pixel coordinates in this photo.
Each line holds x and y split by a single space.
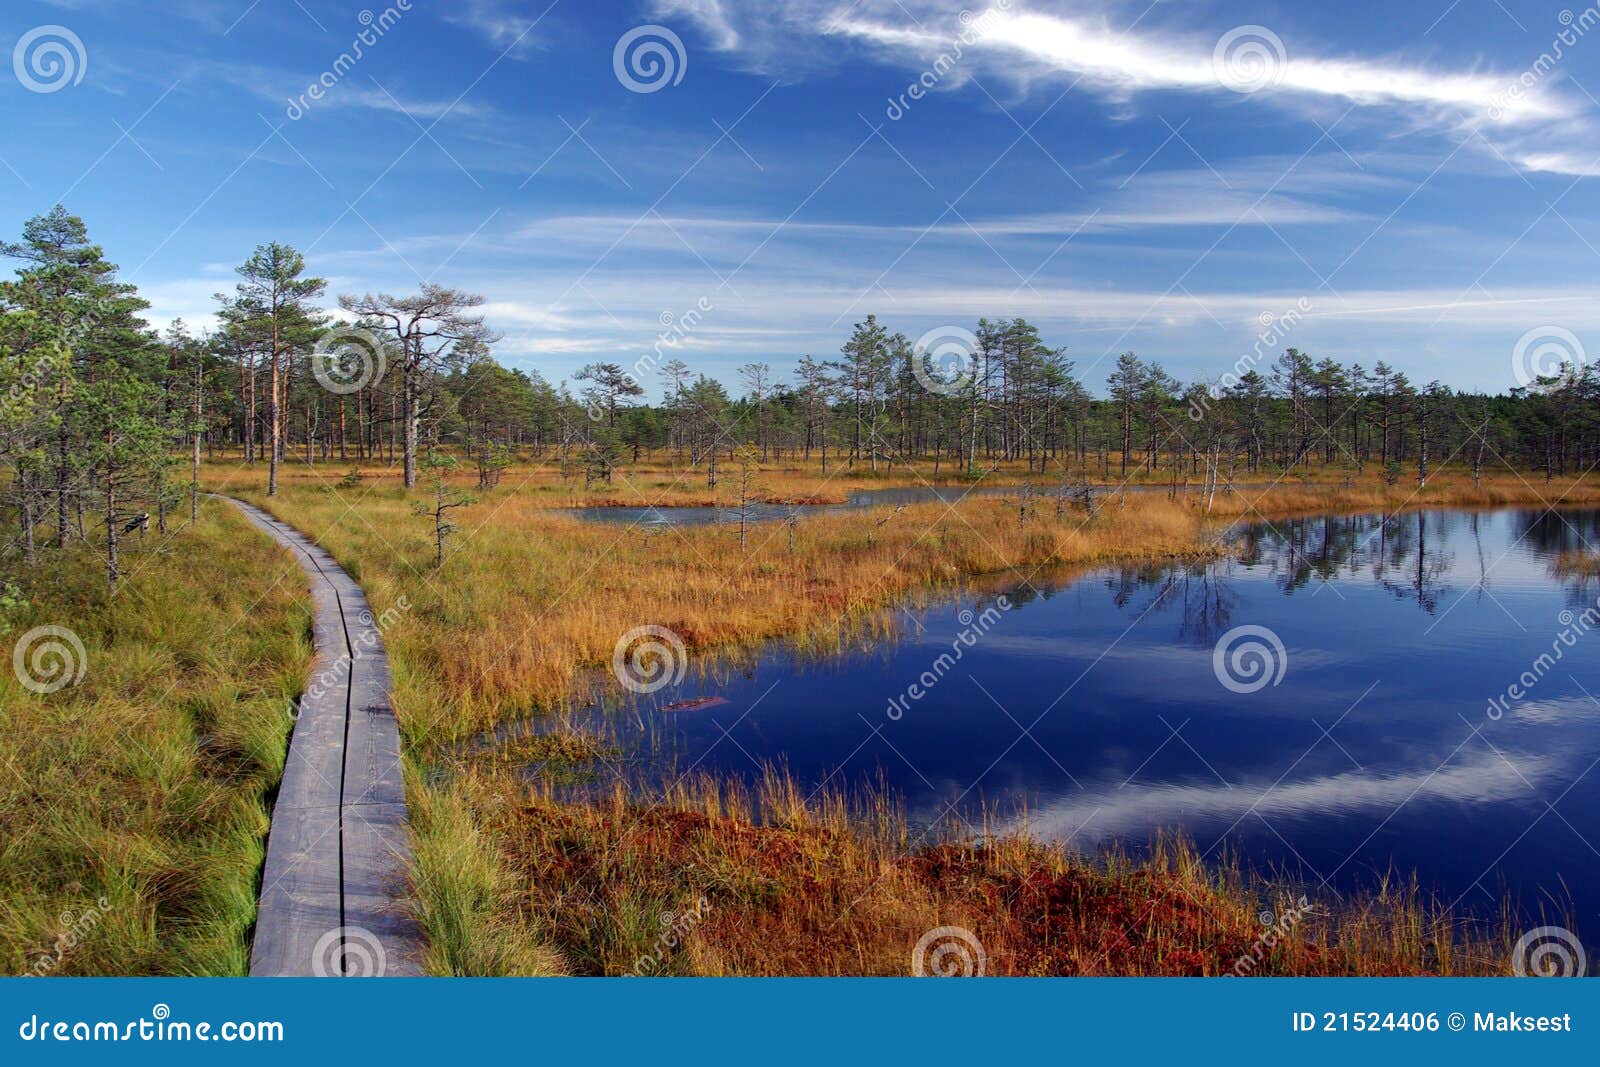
339 851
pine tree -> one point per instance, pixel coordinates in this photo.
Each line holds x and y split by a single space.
273 302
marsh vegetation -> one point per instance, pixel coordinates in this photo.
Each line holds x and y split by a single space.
437 477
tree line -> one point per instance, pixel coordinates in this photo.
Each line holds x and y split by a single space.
101 414
1009 398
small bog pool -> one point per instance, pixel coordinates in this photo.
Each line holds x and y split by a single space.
1352 695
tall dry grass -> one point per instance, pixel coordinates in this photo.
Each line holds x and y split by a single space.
133 806
1580 564
530 601
694 882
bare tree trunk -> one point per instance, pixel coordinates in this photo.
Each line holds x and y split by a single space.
63 519
25 513
1422 450
1477 459
284 388
275 432
250 413
409 386
113 563
438 525
194 458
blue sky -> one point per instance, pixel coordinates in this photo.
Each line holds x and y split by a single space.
1147 176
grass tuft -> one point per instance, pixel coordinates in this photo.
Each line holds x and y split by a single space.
840 886
133 806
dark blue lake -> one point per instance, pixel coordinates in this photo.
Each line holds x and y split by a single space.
1369 742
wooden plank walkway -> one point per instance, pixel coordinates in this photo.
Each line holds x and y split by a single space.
339 851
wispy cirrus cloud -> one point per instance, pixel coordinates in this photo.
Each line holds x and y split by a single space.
1024 43
503 25
705 231
1138 61
714 19
283 87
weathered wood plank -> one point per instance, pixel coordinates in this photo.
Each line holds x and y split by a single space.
339 850
377 858
302 895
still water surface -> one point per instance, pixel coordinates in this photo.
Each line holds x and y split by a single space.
1097 703
861 498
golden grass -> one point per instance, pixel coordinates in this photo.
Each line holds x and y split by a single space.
529 599
1451 488
660 480
1579 564
530 603
133 807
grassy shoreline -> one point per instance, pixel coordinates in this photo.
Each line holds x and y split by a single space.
481 647
134 805
841 886
530 601
1578 564
176 739
495 861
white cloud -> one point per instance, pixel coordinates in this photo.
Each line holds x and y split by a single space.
358 89
1571 163
1145 61
503 27
190 299
1258 191
379 100
1117 812
1023 45
711 17
708 234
